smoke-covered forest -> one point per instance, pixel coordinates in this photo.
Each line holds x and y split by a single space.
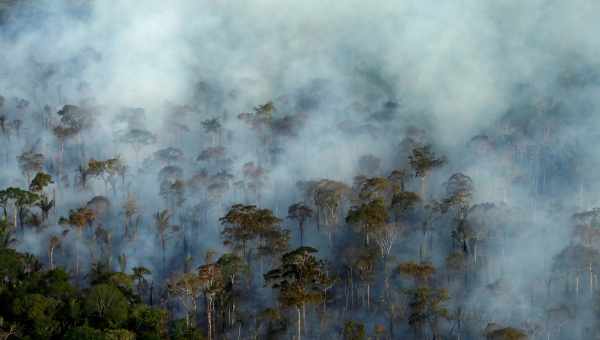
299 169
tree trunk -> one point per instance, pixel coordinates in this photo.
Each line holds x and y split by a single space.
423 189
304 318
299 323
209 316
591 280
79 232
368 297
164 258
52 258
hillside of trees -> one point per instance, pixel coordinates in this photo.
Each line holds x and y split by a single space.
307 211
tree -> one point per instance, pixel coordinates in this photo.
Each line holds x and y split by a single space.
495 332
106 305
139 275
423 160
300 279
399 177
40 181
173 192
300 212
354 330
37 313
187 287
255 177
373 188
362 261
130 210
7 237
76 117
575 261
38 184
100 206
327 198
63 133
427 307
53 244
107 170
459 193
587 227
78 219
213 127
211 280
421 273
247 224
163 228
169 155
426 302
232 269
21 199
73 121
30 162
385 237
138 138
403 202
370 217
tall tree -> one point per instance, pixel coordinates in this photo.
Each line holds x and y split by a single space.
300 212
78 219
163 229
300 280
30 162
247 227
423 160
370 217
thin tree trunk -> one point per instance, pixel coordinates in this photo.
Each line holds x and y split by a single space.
368 297
209 317
304 318
299 323
52 258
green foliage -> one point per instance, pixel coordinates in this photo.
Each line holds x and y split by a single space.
38 304
119 334
371 215
7 238
426 306
37 313
354 330
106 305
405 200
40 181
138 138
419 271
30 162
21 198
300 278
423 160
148 322
233 267
180 331
244 224
84 332
79 218
12 267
